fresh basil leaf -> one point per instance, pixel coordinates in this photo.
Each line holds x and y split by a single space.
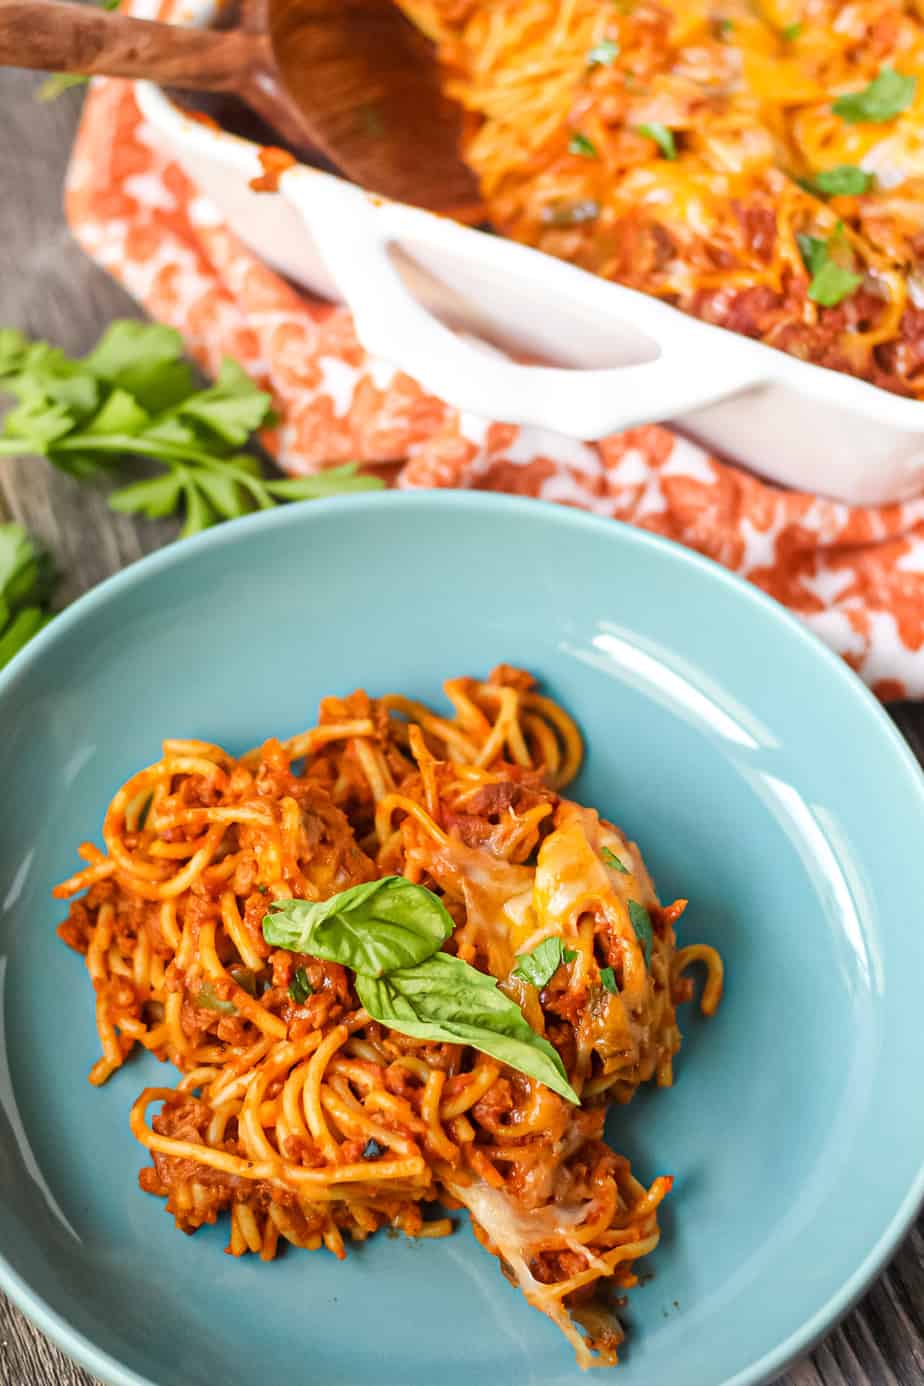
845 180
603 54
612 860
641 923
300 988
608 978
445 1000
662 137
540 966
374 928
580 144
887 96
207 999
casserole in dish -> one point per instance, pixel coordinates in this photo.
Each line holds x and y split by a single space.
422 288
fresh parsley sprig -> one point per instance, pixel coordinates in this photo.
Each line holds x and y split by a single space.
26 580
134 395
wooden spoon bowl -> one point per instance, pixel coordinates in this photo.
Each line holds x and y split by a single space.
351 78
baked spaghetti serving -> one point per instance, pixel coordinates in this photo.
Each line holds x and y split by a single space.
396 969
758 163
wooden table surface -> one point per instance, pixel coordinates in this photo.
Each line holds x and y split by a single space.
49 289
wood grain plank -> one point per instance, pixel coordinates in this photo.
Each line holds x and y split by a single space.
48 288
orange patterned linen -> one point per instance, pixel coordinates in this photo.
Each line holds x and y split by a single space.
854 575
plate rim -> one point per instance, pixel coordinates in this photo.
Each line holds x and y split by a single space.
53 1324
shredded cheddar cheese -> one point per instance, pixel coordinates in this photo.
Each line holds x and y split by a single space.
672 145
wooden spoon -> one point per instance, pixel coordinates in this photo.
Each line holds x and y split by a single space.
352 78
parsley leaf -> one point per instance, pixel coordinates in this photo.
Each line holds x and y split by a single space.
641 923
26 579
540 966
662 137
58 83
831 281
608 978
792 32
612 860
844 180
580 144
888 94
603 54
300 988
134 395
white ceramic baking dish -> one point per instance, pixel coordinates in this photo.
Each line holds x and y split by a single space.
424 290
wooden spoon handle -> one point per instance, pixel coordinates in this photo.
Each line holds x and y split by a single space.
59 37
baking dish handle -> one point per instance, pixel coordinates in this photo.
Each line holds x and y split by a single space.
353 233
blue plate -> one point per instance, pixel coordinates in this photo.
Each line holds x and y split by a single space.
762 781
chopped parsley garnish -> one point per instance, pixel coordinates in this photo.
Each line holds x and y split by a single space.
372 1150
540 966
662 137
831 281
612 860
579 144
724 27
844 180
603 54
300 988
608 978
263 889
641 923
792 32
888 94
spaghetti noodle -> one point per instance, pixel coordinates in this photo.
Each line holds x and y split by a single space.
757 163
304 1119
